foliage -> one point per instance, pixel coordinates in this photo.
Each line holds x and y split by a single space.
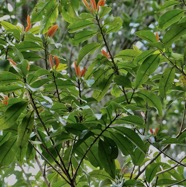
93 96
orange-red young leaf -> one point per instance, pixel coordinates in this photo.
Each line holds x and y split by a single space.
13 63
101 3
93 4
5 100
51 31
83 71
151 131
157 37
57 61
106 54
86 4
77 69
29 25
156 131
51 61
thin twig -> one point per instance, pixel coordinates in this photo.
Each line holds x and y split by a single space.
95 140
168 169
115 67
107 46
57 90
177 183
42 171
63 167
174 65
45 44
26 175
79 89
183 118
50 164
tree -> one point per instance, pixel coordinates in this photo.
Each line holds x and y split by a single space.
92 94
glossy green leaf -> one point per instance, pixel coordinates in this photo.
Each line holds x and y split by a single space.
50 16
79 25
166 81
7 77
146 35
147 68
24 131
170 18
113 25
152 99
151 171
133 137
104 86
132 119
122 142
141 57
11 115
123 80
100 174
5 137
85 50
8 152
4 65
174 33
104 10
82 36
27 45
106 161
12 28
10 88
169 3
127 54
46 12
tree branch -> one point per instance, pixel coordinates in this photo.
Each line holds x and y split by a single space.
57 90
42 171
95 140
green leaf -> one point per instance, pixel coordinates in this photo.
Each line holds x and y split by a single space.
146 35
4 65
8 152
11 115
24 131
7 77
5 137
104 10
152 99
169 3
124 144
50 16
166 81
132 119
122 80
170 18
81 36
85 50
151 171
105 84
27 45
127 54
12 28
174 33
113 25
147 68
141 57
79 25
100 174
133 137
106 161
31 56
10 88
